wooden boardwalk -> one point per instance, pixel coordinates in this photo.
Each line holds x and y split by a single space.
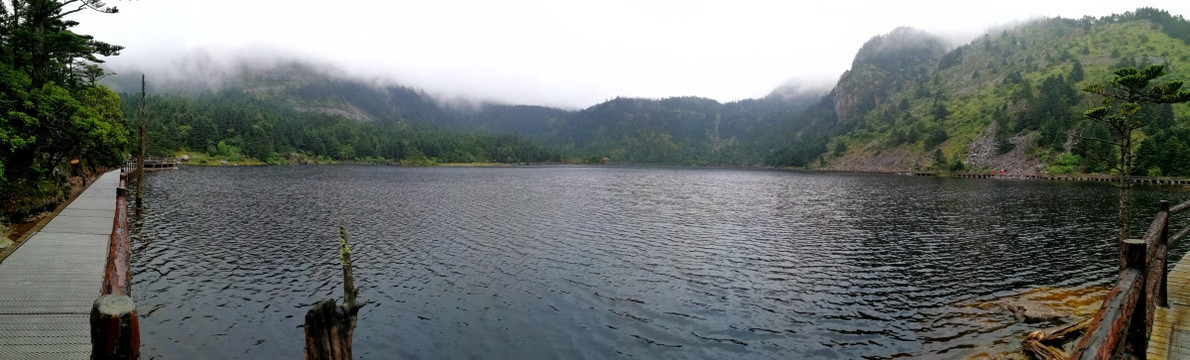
1170 338
47 286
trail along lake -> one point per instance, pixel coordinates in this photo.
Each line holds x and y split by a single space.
610 262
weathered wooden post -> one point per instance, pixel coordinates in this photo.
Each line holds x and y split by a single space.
1105 337
117 272
115 331
1135 254
1163 207
329 328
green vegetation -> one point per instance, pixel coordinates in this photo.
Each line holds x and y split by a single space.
902 106
51 110
1123 98
309 113
245 129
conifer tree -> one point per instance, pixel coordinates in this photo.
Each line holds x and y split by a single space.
1120 112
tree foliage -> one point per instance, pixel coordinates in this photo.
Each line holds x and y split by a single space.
1123 97
1128 92
48 114
235 125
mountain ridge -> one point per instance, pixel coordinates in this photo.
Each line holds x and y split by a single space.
1002 101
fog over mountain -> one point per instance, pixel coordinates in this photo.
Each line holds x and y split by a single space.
569 55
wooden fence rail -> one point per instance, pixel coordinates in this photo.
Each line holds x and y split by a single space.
1125 320
115 329
152 162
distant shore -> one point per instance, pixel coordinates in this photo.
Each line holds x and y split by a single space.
988 174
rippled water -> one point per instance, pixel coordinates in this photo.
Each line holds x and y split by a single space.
597 262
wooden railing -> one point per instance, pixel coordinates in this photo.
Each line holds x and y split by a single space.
1125 320
152 162
117 280
115 329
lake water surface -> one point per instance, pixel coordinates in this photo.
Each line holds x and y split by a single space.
607 262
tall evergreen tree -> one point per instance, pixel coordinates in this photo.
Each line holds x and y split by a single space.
1123 97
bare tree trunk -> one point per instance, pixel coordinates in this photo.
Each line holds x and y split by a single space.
349 289
329 327
1126 187
1125 221
140 138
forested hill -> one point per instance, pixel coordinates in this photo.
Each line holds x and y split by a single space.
1009 99
270 113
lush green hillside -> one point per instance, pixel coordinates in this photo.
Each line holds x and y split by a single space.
1010 99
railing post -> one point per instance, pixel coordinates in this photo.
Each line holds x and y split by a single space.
1135 251
115 332
1163 207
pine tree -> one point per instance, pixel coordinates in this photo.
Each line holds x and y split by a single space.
1123 97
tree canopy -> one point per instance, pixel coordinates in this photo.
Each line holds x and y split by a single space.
48 113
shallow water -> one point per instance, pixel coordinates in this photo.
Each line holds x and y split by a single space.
606 262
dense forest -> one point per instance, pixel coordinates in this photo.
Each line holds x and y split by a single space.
233 125
296 109
51 109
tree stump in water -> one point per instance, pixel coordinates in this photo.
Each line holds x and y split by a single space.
329 328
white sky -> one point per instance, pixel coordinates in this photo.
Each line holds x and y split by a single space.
557 52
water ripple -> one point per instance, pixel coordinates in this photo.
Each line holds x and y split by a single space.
609 262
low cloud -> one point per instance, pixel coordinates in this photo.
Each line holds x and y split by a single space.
565 54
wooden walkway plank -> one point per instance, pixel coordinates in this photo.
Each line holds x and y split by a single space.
1170 338
51 281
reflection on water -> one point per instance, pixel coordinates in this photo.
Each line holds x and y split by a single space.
596 262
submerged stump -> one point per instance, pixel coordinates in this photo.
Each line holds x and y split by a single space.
329 327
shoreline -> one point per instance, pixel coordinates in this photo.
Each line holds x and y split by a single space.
1145 180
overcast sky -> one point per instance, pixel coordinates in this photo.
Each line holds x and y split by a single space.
555 52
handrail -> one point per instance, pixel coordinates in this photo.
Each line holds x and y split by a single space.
115 327
1177 209
1102 339
117 279
1125 320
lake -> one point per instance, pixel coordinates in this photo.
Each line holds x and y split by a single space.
611 262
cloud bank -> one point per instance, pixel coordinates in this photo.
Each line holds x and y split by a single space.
556 53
